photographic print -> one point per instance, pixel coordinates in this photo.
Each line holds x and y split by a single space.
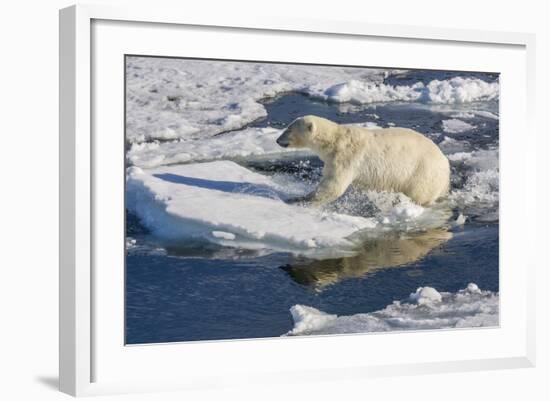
280 200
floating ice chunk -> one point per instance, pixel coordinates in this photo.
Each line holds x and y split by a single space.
455 126
483 160
455 90
310 243
425 295
462 90
475 113
481 187
407 211
307 319
486 114
223 235
459 156
195 200
451 145
478 160
464 115
362 92
427 309
460 220
473 289
479 194
398 210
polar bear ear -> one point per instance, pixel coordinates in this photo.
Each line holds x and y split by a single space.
310 126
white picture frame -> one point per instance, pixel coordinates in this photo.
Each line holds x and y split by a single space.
83 349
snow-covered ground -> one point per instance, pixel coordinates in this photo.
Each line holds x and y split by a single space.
169 99
243 143
425 309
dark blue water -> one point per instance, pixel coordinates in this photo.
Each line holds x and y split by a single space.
184 299
181 293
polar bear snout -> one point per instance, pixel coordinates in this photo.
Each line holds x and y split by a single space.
283 140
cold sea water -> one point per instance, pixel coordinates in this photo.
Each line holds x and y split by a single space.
193 291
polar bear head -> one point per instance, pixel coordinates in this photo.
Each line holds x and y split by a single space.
298 134
306 132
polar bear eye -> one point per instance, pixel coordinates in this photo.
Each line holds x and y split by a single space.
309 127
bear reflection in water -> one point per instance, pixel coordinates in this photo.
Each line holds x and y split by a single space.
390 250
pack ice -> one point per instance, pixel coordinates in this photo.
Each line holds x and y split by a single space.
425 309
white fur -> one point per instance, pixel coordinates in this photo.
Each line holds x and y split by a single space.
391 159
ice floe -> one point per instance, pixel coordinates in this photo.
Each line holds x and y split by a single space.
426 308
455 126
462 90
362 92
477 172
224 203
455 90
475 113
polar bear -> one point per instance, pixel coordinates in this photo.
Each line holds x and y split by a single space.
389 159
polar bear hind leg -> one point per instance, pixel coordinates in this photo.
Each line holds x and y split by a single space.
429 184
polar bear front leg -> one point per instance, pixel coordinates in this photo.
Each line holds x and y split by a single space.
334 183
